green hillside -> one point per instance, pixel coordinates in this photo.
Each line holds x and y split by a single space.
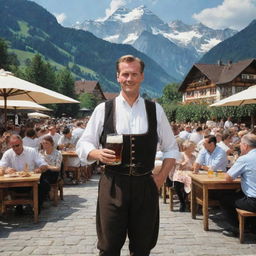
30 29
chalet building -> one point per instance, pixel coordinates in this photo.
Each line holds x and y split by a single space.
212 82
91 87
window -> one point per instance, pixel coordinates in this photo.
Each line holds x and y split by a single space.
226 91
248 77
240 88
190 94
202 92
213 91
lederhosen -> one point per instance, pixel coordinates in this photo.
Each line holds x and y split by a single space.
128 196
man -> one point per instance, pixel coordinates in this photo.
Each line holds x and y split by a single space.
228 124
128 193
211 156
30 140
78 130
197 136
19 158
53 132
67 140
185 134
244 199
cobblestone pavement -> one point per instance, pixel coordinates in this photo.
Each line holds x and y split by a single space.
69 229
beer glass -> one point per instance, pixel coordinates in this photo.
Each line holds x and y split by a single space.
210 172
115 143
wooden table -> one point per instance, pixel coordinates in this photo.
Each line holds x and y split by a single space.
13 182
204 183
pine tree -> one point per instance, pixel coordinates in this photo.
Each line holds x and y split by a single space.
65 83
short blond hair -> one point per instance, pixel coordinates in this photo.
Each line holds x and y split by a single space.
128 59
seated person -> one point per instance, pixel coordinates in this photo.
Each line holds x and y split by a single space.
68 142
185 162
211 156
30 140
18 158
4 143
244 199
225 143
53 158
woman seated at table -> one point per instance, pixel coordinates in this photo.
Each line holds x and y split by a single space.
53 158
181 180
4 143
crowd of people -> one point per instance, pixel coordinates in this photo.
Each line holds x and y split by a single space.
219 147
37 147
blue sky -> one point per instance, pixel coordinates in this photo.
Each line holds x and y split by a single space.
216 14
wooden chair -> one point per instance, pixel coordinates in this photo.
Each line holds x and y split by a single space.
76 172
55 188
242 214
171 195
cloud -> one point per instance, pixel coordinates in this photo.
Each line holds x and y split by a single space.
60 17
114 5
230 14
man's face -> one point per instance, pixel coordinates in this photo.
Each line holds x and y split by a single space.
68 135
16 145
52 130
243 148
209 146
130 77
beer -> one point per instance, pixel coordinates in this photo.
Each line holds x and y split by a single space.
210 172
115 143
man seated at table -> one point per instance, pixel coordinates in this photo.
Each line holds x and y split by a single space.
19 158
68 142
244 199
211 156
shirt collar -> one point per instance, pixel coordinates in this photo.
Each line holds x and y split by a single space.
122 99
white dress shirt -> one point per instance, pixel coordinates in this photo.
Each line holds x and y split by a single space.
129 120
29 157
33 143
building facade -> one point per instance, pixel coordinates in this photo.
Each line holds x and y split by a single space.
208 83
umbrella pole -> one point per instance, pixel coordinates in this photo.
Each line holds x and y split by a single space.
5 111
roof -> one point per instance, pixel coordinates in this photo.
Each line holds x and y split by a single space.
218 73
110 95
88 86
85 86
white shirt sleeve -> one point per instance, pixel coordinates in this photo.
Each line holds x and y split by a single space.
90 137
166 139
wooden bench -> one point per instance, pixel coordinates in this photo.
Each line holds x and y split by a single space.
242 214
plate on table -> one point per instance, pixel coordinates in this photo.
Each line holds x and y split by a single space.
11 175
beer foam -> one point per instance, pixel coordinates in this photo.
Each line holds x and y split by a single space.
115 139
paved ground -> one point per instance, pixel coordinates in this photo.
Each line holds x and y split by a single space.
69 229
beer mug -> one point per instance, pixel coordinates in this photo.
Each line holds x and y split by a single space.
115 143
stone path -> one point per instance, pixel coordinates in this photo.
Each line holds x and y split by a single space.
69 229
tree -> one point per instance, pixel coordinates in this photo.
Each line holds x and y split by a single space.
41 73
3 54
170 94
88 101
65 82
8 61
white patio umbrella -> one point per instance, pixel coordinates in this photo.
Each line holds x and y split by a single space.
244 97
23 104
14 88
38 115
